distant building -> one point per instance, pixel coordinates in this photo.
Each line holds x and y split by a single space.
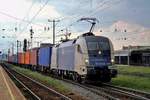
133 55
135 47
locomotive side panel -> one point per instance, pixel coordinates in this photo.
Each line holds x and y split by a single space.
66 58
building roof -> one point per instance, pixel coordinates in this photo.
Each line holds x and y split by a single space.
127 50
122 53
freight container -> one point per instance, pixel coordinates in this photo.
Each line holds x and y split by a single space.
19 58
14 58
10 58
22 58
44 58
34 56
27 57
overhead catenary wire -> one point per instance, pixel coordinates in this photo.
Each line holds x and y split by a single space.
28 12
41 8
35 15
104 2
73 16
31 18
91 13
108 6
16 18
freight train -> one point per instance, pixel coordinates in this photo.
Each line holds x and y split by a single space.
87 57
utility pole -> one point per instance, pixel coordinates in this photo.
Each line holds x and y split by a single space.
54 25
28 46
12 48
20 45
17 51
38 44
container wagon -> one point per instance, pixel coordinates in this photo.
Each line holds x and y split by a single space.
34 58
27 58
44 58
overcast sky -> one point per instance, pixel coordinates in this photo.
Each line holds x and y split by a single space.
22 14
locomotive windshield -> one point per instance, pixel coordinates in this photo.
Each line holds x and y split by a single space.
98 46
101 45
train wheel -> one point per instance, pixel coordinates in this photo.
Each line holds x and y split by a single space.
79 79
74 77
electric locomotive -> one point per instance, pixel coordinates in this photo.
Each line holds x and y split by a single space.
86 58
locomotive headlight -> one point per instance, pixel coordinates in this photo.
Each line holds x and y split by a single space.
99 52
86 61
112 60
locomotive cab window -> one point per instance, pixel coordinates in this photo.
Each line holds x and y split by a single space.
79 48
98 46
92 45
104 45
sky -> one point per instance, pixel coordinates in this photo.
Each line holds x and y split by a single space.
22 14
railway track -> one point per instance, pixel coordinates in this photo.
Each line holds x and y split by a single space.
141 93
36 90
100 93
118 93
113 92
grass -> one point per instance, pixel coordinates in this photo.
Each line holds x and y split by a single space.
136 77
134 70
45 79
135 82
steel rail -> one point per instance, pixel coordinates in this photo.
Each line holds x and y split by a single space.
121 94
42 85
22 84
134 91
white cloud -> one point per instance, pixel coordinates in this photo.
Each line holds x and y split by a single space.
16 8
19 9
135 35
48 11
121 26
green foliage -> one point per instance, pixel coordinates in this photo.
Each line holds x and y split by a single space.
134 70
136 77
135 82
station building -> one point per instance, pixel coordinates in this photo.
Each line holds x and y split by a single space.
133 55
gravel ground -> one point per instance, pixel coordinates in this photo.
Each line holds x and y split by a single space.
83 92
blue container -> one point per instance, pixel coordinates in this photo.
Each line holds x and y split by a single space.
44 58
